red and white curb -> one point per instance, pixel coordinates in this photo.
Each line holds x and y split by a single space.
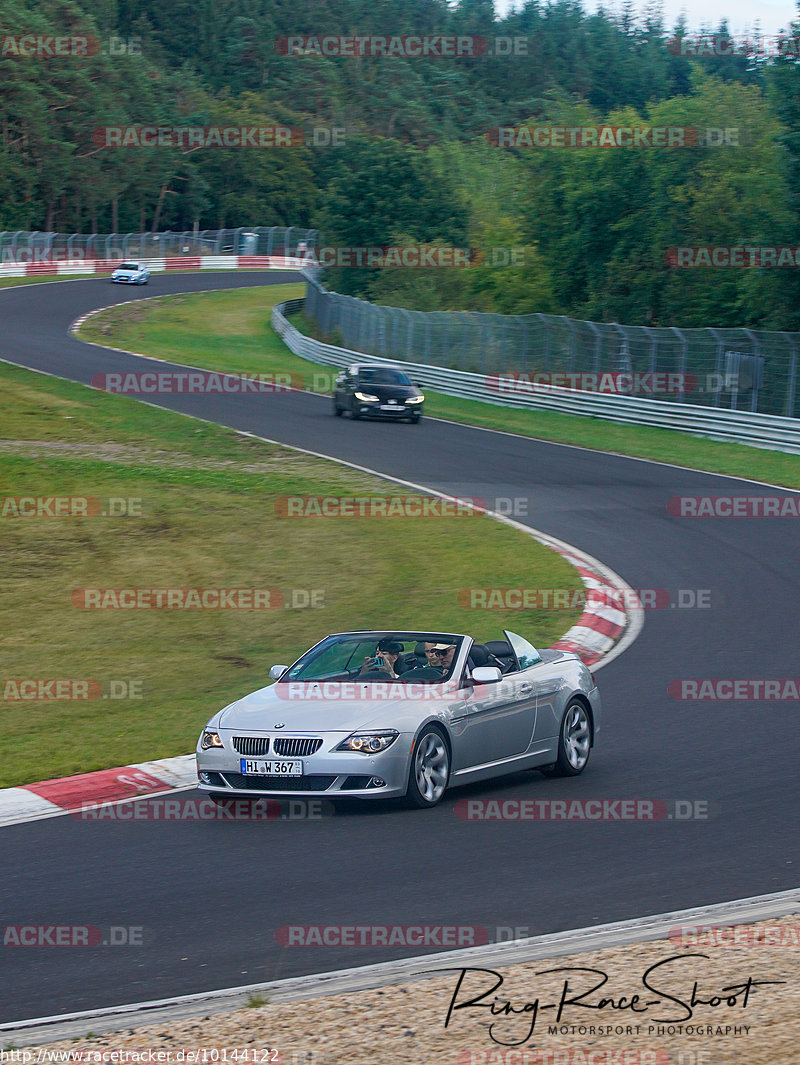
613 615
603 622
179 262
48 798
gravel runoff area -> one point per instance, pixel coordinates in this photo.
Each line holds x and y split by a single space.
404 1023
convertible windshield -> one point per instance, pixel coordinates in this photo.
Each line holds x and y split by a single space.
349 655
384 377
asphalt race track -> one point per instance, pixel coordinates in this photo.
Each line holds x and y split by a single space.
211 896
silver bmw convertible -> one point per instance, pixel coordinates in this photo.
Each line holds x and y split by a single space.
382 714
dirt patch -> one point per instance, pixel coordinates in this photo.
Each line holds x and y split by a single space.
130 455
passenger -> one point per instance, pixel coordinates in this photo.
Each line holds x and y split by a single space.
385 658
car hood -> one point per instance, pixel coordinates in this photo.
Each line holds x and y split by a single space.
399 392
307 708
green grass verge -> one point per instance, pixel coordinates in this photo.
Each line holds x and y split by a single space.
13 282
231 331
205 516
205 329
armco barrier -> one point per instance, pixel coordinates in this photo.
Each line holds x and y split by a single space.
185 262
744 427
741 368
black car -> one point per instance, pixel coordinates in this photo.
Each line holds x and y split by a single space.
369 391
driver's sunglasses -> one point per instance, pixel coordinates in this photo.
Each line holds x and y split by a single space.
439 654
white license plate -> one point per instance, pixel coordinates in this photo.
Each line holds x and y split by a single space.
391 406
257 767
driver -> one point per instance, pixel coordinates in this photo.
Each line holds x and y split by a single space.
440 656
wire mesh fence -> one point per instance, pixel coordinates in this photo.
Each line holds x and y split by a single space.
738 369
24 247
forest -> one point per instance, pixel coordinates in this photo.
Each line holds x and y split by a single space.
540 146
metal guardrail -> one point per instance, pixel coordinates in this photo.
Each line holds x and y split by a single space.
735 368
744 427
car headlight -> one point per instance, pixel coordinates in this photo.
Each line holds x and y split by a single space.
365 397
369 742
415 399
210 739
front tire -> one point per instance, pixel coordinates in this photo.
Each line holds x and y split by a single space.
429 774
355 413
337 410
574 742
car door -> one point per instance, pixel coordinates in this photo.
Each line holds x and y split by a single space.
547 679
492 722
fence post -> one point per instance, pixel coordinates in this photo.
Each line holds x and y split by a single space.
597 345
624 363
570 325
548 335
756 369
718 370
684 343
792 377
523 333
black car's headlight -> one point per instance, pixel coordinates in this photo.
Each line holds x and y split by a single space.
366 397
415 399
210 739
369 742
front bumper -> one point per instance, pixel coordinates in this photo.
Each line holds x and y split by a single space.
327 774
375 410
129 280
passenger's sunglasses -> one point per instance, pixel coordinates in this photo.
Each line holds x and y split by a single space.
439 654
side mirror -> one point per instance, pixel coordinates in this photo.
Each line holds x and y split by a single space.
276 672
486 675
